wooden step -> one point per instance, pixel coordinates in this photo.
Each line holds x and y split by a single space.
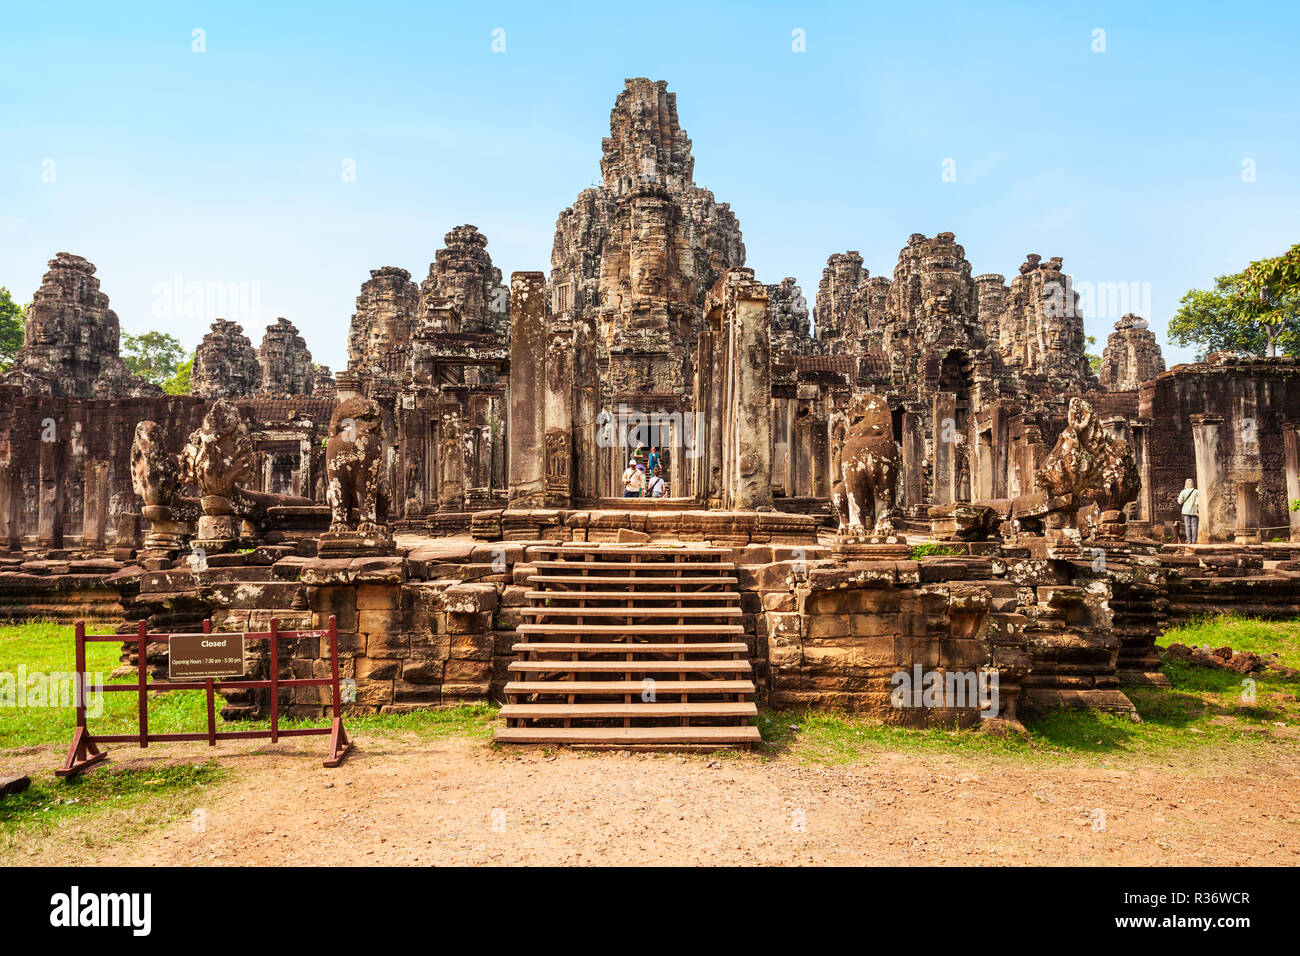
636 549
636 666
615 710
727 596
624 629
631 646
594 579
629 735
619 688
637 565
632 611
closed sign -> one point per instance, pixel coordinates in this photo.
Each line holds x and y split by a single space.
205 655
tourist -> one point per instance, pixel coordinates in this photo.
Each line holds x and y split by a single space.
654 462
1189 499
655 487
633 483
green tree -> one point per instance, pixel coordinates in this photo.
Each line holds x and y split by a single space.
1256 310
1094 360
154 356
179 383
11 328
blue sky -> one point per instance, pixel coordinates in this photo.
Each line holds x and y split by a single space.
226 166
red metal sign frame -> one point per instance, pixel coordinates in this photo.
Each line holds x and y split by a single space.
85 750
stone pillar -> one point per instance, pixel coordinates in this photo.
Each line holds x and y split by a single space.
821 460
1247 513
10 517
451 453
747 456
945 452
558 410
94 509
911 485
1140 431
1209 478
1291 445
586 409
49 528
527 422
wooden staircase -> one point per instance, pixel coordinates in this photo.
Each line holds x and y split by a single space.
631 646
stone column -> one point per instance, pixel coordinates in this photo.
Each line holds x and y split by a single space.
558 411
49 528
1140 430
945 457
10 519
94 509
1291 444
586 409
911 486
451 453
1247 513
821 463
1209 478
748 456
527 422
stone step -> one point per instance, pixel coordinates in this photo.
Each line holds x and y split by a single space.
727 596
658 581
620 688
636 666
623 629
631 647
682 612
630 736
637 565
615 710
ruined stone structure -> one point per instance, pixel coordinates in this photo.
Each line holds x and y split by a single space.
71 339
632 262
1132 356
489 426
286 363
225 364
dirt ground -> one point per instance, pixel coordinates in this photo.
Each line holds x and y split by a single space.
402 800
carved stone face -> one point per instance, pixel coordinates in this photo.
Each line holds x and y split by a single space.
940 285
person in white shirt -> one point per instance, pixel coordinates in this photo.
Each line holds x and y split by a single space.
655 488
1189 499
633 480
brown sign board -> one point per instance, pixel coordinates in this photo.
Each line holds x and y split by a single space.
205 655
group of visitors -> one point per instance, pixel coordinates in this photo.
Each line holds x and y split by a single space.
644 475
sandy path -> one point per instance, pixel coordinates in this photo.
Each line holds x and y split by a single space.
457 801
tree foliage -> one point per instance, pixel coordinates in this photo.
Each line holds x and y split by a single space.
1256 310
179 383
155 356
11 328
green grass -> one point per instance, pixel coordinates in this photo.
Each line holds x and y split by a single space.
1202 713
931 549
49 648
152 797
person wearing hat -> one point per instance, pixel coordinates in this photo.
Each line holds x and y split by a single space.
1189 498
633 480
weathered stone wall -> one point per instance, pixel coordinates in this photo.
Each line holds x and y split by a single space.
1132 356
1254 398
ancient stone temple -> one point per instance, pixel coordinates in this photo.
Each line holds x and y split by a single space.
445 495
789 318
286 363
225 363
632 262
71 340
1132 356
462 275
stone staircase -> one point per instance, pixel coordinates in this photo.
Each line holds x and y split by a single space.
631 646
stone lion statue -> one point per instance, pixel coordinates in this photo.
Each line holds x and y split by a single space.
154 473
868 468
1088 463
219 454
354 468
